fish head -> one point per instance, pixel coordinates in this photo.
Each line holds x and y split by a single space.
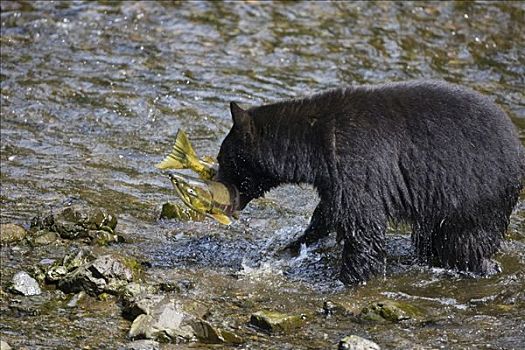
192 191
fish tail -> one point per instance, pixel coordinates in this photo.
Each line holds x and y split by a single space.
182 155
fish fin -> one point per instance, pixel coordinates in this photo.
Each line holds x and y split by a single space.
183 145
223 219
182 154
209 160
170 162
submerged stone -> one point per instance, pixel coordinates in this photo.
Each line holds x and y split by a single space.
178 212
331 308
353 342
11 233
207 333
24 284
388 310
276 322
76 222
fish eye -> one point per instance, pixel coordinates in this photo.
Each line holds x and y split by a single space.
191 191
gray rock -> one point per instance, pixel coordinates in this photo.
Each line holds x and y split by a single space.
276 322
207 333
166 323
99 219
4 345
11 233
332 308
106 274
143 304
353 342
73 302
101 237
144 344
76 222
44 237
69 223
134 290
24 284
39 270
389 310
69 263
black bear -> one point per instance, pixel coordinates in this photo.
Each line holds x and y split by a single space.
440 157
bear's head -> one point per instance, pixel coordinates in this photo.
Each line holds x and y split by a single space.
239 162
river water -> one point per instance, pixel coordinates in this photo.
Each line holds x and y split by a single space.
92 94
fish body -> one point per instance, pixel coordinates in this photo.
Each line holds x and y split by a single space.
183 156
210 198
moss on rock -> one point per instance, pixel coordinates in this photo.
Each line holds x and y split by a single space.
276 322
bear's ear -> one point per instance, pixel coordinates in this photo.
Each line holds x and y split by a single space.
241 118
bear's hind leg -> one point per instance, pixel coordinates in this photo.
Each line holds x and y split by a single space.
466 249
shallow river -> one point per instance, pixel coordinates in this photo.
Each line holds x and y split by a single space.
92 94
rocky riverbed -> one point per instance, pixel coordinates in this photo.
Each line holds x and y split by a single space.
82 289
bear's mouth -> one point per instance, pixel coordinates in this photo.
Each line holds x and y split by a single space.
236 201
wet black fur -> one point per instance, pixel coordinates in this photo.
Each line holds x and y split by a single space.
443 158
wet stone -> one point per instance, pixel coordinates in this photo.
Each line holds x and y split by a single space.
134 290
331 308
207 333
24 284
141 305
43 237
4 345
39 270
76 222
143 344
275 322
353 342
70 262
388 310
11 233
102 238
73 302
165 323
107 273
100 219
196 308
179 286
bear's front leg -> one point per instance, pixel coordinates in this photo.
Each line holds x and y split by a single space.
317 229
363 253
